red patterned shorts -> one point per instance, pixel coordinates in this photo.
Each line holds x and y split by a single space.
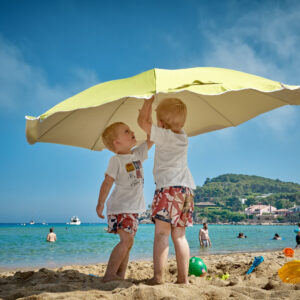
127 222
175 205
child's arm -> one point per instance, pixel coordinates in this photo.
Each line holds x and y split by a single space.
104 191
144 118
149 143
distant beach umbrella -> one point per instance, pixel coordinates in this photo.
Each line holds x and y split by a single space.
215 98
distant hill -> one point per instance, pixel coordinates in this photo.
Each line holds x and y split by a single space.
224 189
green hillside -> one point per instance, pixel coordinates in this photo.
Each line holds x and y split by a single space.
227 190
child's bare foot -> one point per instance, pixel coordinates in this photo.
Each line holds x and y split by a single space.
182 281
108 278
121 276
154 281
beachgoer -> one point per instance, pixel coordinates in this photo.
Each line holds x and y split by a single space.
241 236
126 200
276 237
51 237
173 202
298 240
204 237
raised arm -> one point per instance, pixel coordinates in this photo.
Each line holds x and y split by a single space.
149 143
144 118
104 191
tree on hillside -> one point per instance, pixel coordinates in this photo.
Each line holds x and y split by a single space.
234 203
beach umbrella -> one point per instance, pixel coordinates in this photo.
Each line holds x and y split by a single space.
216 98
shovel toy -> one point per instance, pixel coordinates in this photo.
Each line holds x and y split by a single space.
257 261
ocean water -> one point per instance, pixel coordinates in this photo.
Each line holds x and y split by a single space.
26 246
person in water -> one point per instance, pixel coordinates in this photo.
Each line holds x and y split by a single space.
51 237
276 237
204 237
241 236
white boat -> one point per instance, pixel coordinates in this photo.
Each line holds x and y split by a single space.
31 222
74 221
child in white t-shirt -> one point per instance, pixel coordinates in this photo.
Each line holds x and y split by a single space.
173 204
127 199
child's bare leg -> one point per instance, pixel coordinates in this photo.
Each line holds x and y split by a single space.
122 269
160 249
182 251
119 257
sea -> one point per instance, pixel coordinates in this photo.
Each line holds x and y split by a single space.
26 247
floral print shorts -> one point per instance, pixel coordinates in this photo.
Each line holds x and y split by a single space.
175 205
127 222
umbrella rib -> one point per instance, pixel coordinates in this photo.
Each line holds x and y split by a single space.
273 97
108 123
218 112
56 124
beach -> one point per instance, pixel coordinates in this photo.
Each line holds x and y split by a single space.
84 281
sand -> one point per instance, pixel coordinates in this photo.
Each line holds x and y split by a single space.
74 282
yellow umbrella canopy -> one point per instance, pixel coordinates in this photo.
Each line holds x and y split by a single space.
216 98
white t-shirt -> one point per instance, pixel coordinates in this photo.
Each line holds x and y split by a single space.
170 161
127 170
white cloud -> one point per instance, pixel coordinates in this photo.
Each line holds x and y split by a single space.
26 86
238 55
266 43
279 121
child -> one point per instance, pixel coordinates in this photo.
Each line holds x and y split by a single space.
126 200
173 204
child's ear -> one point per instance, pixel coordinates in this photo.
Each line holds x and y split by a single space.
116 142
160 123
163 124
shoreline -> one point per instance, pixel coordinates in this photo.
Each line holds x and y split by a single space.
84 281
149 222
4 269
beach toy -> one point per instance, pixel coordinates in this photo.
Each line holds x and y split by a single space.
93 275
288 252
257 261
197 267
290 272
297 230
224 276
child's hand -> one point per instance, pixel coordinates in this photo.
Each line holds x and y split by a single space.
151 99
99 210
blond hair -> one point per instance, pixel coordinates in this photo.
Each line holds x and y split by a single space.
110 134
172 111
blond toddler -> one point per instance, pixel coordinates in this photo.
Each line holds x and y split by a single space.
173 205
126 200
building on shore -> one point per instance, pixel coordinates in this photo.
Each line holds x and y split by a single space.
260 209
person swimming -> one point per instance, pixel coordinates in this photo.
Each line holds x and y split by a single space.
276 237
241 236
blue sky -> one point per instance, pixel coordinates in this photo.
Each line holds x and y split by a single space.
50 50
